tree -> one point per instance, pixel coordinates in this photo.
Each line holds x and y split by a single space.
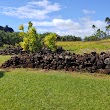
30 38
97 36
100 34
9 38
34 42
94 27
108 28
30 25
107 20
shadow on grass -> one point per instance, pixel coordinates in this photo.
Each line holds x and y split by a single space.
1 74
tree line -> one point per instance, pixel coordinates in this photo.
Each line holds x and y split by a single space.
13 38
98 33
63 38
9 37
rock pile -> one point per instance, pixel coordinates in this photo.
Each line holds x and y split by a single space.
62 60
11 51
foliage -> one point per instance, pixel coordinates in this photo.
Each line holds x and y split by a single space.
9 38
68 38
30 38
107 20
21 27
99 35
50 41
91 38
62 38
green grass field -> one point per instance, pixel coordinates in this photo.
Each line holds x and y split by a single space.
82 47
32 89
26 89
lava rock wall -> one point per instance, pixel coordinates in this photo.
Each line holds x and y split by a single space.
62 60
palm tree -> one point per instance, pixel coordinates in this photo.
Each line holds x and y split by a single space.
94 27
107 20
107 29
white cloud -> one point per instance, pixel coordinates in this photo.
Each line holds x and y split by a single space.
80 28
85 11
43 23
58 23
34 10
65 24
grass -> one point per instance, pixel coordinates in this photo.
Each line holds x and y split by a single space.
31 89
82 47
26 89
4 58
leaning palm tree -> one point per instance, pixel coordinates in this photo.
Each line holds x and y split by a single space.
94 27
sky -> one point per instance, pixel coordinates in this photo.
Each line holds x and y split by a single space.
64 17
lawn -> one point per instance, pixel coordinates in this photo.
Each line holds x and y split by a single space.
4 58
82 47
32 89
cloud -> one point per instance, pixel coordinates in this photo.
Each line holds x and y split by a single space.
80 28
65 24
34 10
85 11
58 23
43 23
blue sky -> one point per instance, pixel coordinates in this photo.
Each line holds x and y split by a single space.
65 17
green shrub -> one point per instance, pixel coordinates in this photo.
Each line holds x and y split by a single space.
30 38
50 41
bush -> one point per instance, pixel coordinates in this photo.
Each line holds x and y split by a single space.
30 39
34 42
50 41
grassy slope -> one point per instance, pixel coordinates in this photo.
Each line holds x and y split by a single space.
81 47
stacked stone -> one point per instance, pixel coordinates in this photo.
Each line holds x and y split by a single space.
62 60
11 51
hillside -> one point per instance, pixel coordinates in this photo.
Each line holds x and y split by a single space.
86 47
6 29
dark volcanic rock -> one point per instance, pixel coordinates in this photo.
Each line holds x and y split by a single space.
62 60
12 51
